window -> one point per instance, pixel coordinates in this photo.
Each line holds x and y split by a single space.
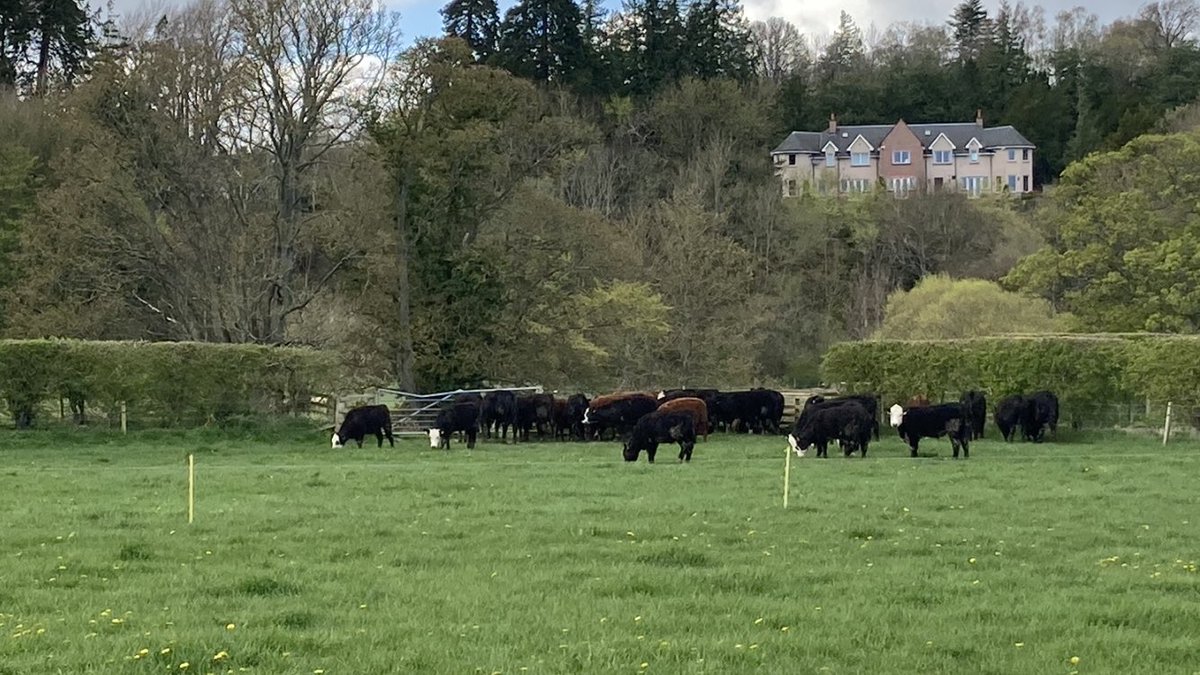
974 155
901 157
791 189
792 159
860 159
830 159
903 185
943 156
856 184
1024 183
1012 154
1025 155
1012 183
972 185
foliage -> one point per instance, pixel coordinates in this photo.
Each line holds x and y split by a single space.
939 307
1123 230
1084 371
176 382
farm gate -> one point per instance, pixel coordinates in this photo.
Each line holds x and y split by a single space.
412 414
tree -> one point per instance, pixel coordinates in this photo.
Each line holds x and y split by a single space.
541 40
475 21
719 40
1171 22
650 44
781 49
845 51
1122 238
971 29
938 308
40 38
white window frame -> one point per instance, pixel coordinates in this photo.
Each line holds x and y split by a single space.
974 155
855 185
947 154
972 185
856 156
1012 154
830 160
1013 182
902 185
901 157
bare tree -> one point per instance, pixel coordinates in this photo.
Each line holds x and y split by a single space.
1171 22
781 48
313 60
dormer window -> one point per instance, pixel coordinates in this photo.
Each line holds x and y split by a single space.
830 159
974 155
860 159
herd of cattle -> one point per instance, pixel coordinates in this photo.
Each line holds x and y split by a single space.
644 420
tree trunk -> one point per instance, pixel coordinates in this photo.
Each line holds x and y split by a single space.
43 65
404 344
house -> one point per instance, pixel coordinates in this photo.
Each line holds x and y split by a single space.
904 158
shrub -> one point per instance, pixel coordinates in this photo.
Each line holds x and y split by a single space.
175 382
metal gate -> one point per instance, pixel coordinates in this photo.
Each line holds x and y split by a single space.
412 414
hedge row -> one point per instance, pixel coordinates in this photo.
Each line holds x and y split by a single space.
173 382
1083 370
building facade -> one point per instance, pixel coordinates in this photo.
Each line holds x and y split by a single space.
903 158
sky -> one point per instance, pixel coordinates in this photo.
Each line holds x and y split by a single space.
420 18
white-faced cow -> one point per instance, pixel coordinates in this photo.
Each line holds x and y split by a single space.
934 421
361 422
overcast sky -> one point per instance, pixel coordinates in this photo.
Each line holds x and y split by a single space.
420 18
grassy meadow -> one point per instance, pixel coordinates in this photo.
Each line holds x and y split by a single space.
560 558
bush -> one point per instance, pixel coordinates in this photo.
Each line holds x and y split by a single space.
176 383
1084 371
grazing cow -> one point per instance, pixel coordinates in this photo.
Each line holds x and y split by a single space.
534 410
462 417
935 421
619 412
577 405
691 406
661 427
976 404
360 422
1041 411
847 422
867 400
500 411
1010 415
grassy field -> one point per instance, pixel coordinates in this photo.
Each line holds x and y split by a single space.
560 558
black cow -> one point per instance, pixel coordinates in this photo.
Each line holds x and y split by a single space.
845 421
577 405
1041 411
500 413
660 427
534 411
1010 416
976 404
756 410
361 422
462 417
934 421
620 414
867 400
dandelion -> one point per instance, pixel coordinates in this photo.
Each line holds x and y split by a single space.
637 618
1074 660
784 629
645 665
754 646
118 622
164 651
142 653
185 665
318 671
1018 645
971 560
231 626
221 655
758 621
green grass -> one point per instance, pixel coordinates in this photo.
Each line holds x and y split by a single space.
560 558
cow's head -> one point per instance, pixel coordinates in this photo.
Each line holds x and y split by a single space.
896 415
587 415
628 453
795 445
435 438
337 442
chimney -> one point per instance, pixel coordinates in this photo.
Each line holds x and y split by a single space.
832 124
979 117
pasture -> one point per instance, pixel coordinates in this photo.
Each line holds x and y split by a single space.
560 558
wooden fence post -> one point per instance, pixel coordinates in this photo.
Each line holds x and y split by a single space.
123 418
1167 425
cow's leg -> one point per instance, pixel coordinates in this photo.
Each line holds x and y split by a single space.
863 447
379 437
651 451
913 442
966 448
471 434
388 432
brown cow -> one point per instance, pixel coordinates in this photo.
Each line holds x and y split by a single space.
695 407
918 400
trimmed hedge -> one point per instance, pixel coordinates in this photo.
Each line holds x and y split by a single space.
171 382
1083 370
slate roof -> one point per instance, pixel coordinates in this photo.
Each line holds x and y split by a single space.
959 133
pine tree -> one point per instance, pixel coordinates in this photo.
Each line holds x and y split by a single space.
719 41
845 51
476 21
971 29
541 40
